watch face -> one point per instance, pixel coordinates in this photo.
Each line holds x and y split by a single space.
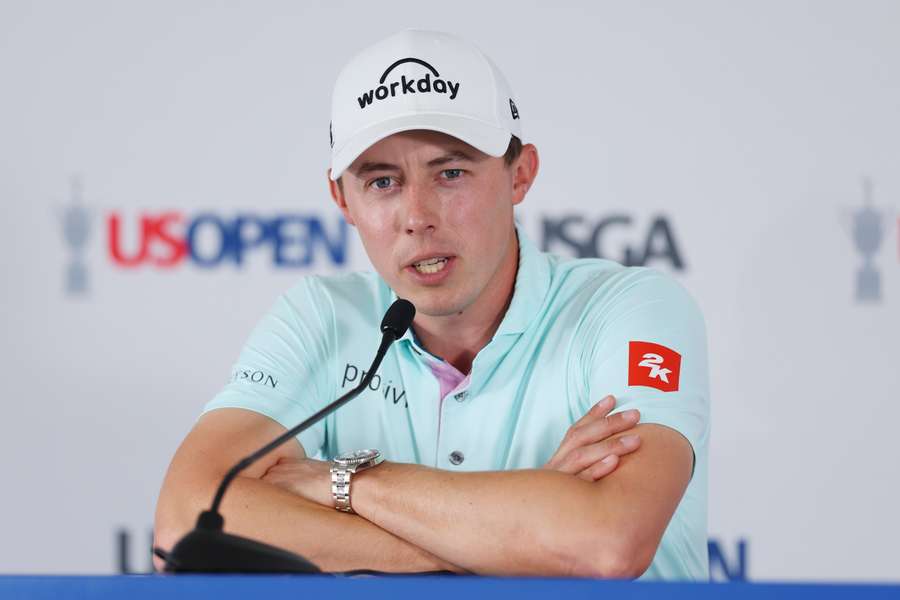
357 456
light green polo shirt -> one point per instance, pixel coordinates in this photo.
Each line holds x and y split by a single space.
575 331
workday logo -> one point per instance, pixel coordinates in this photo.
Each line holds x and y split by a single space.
429 83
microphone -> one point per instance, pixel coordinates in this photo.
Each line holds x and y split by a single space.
208 549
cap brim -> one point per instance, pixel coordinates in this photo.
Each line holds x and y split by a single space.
483 136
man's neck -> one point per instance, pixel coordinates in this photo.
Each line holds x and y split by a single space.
459 338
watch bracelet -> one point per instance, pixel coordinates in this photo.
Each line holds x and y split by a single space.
340 489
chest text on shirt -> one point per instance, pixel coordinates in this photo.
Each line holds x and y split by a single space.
352 373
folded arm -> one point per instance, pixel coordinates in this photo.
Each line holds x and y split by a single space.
525 522
257 509
568 519
536 522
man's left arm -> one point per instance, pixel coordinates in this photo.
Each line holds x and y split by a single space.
535 522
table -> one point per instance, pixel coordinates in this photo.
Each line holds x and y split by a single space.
295 587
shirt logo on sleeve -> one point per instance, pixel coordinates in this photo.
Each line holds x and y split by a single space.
260 377
653 365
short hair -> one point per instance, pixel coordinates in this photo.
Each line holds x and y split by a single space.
513 150
512 153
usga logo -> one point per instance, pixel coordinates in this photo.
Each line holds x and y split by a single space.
405 85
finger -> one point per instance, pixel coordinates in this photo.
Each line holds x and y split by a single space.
583 457
600 409
602 429
596 431
600 469
276 468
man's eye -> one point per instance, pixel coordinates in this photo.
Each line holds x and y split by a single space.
452 173
381 183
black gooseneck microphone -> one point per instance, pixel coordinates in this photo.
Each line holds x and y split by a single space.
208 549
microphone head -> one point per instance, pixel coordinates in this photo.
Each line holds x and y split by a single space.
398 318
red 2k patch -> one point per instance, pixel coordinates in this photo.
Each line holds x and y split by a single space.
652 365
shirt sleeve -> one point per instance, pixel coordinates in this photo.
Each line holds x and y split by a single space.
282 369
643 339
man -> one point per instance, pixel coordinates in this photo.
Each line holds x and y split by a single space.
494 412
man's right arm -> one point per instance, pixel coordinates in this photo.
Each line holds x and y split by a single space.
253 508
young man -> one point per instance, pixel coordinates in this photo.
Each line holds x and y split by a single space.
493 414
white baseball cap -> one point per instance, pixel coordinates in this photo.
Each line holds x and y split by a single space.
420 80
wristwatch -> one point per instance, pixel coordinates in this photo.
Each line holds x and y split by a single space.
343 466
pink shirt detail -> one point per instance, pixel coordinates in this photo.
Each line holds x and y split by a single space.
448 376
450 379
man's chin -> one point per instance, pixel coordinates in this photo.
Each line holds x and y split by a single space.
435 304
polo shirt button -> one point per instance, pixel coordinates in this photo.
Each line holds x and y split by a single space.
456 457
460 396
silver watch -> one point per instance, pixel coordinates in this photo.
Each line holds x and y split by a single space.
343 466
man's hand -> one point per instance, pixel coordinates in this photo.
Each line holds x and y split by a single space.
308 478
589 450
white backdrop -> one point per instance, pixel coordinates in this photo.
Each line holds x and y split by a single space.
744 129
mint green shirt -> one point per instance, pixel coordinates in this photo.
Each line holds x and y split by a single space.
566 341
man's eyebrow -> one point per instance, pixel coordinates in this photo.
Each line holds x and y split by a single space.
369 167
451 156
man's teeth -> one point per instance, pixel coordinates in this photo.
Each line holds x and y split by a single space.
431 265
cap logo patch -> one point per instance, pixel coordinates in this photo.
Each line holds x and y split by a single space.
653 365
513 109
406 85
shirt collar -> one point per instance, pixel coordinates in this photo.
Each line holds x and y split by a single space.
532 284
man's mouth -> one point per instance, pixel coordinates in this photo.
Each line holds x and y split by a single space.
431 265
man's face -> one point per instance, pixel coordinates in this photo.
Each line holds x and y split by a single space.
436 218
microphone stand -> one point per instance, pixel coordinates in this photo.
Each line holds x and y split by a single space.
208 549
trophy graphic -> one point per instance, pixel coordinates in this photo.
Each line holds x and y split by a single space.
868 233
76 224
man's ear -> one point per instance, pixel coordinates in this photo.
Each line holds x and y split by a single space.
525 169
337 194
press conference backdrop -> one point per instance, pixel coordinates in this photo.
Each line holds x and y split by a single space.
162 175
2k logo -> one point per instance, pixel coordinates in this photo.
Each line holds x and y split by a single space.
652 362
653 365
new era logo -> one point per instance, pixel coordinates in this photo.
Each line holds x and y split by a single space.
653 365
513 109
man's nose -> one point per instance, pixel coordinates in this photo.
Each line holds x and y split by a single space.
421 210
